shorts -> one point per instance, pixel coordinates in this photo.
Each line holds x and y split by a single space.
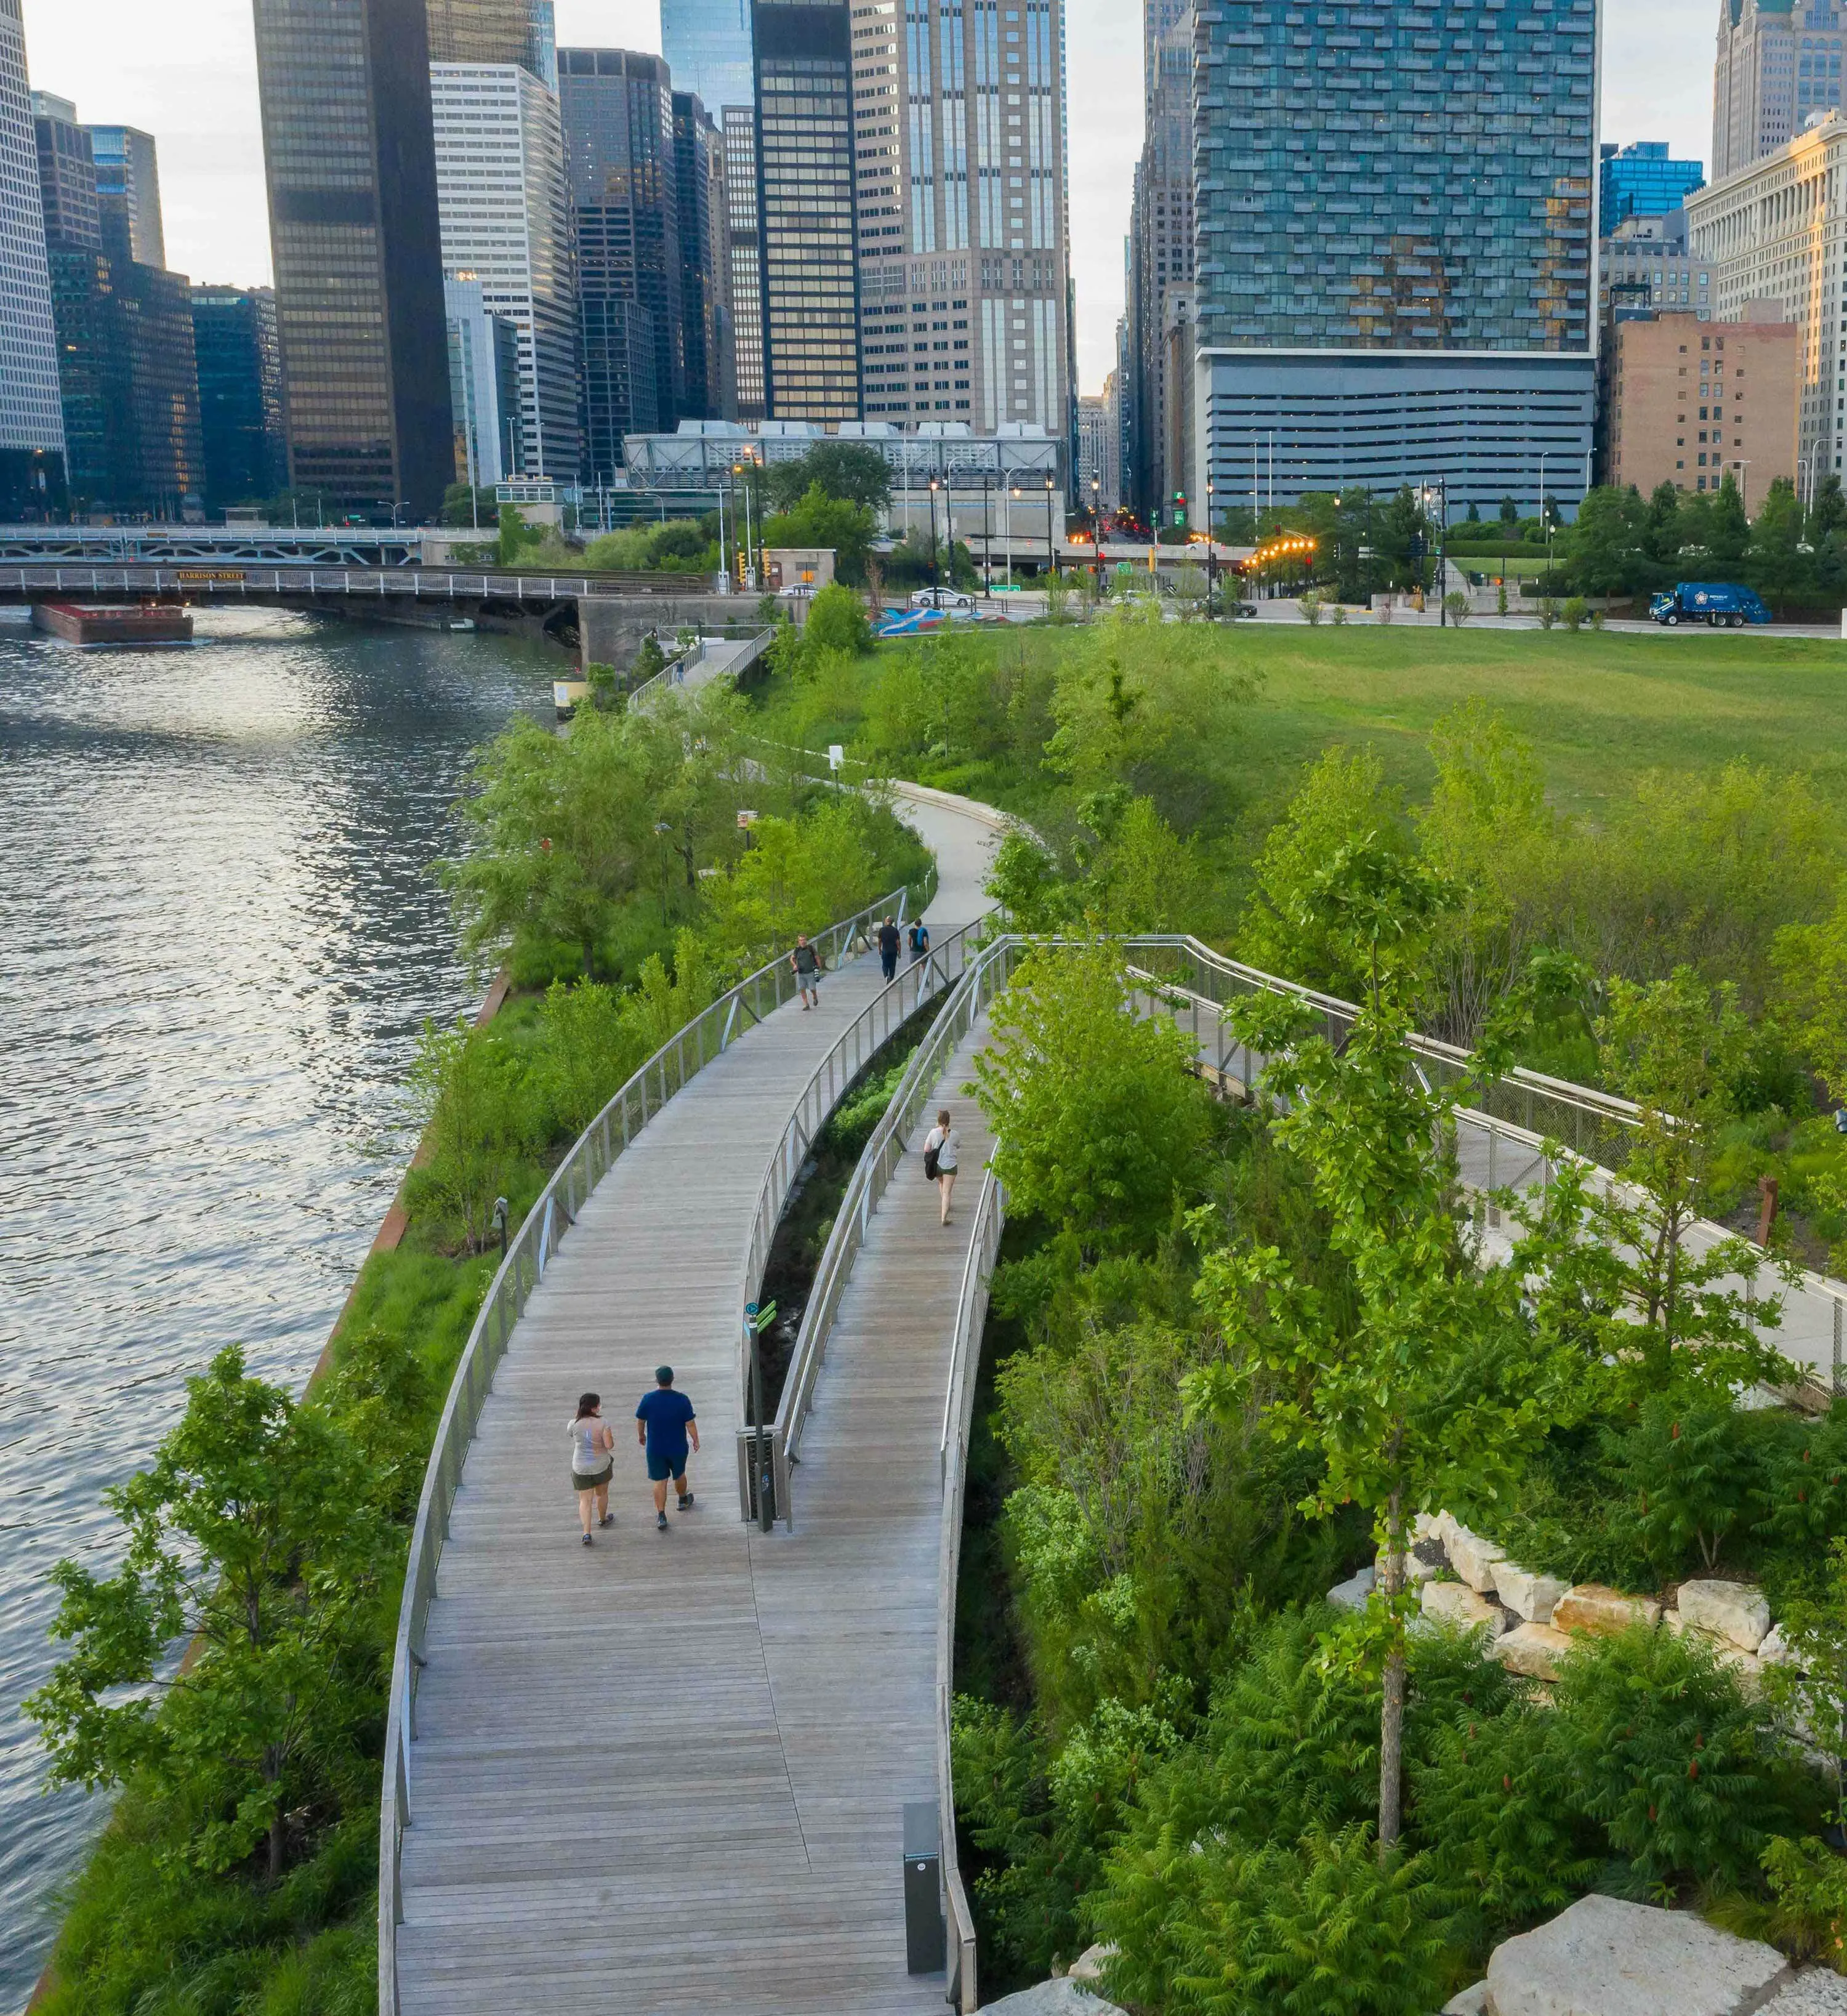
810 981
662 1468
580 1482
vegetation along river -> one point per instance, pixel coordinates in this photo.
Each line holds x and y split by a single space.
219 935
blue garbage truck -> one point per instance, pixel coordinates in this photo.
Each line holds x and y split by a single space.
1722 603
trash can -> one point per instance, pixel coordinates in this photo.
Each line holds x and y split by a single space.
925 1941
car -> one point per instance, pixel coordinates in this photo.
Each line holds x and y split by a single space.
941 598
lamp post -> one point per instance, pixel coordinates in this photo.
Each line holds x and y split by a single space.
1212 552
1006 526
1051 546
1096 529
936 572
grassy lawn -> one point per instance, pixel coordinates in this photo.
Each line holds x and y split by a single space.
1597 707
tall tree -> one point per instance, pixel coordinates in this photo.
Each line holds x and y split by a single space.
1728 535
1779 558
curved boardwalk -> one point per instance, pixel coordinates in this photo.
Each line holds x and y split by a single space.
666 1773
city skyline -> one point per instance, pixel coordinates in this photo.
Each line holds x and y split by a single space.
198 97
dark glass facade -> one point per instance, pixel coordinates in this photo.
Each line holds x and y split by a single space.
699 171
707 46
129 194
619 149
240 411
496 31
67 175
354 226
806 209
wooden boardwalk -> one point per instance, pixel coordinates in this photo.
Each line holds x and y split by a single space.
666 1773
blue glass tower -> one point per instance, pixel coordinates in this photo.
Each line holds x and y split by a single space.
1639 181
1395 245
707 46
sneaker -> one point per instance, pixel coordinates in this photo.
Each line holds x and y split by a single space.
686 1501
608 1519
587 1541
661 1521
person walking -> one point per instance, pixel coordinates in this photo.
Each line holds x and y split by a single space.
940 1146
808 974
919 941
889 942
663 1424
592 1463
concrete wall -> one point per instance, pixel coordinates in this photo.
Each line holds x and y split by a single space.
611 630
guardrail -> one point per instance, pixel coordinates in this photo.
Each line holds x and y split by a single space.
404 584
766 1449
708 1035
674 674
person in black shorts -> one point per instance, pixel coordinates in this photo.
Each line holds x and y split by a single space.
890 939
663 1423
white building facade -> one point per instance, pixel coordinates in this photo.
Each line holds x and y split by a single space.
1776 232
31 413
1778 66
506 218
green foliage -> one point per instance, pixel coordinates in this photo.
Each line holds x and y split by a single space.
1810 1690
470 1091
848 471
837 621
675 545
818 519
1457 607
1690 1476
1809 1881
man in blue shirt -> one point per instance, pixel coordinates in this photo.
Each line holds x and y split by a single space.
663 1423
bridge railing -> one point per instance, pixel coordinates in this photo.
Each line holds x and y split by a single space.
228 581
674 1065
767 1449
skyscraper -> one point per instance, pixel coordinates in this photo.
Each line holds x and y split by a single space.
348 142
963 214
624 193
129 194
505 217
744 250
240 394
483 386
805 218
707 43
1395 256
1779 61
1640 181
1161 242
496 31
31 413
67 173
699 172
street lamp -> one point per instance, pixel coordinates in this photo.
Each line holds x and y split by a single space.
1051 544
1211 551
1096 528
936 572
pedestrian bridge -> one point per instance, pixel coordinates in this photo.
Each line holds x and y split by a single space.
669 1771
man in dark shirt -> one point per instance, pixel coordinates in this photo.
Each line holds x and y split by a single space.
889 940
663 1423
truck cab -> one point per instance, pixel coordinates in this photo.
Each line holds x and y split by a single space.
1721 605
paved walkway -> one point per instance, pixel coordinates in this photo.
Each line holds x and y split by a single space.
665 1772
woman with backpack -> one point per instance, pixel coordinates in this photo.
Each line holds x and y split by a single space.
940 1146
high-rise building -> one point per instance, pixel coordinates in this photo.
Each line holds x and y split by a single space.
805 56
1692 401
505 213
699 171
1779 64
1161 241
707 43
625 194
129 194
960 137
483 386
67 173
1394 255
354 226
240 394
1647 265
496 31
1093 426
744 252
31 413
1112 444
1640 180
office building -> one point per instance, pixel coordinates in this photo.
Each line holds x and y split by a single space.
129 194
483 386
707 46
744 252
1161 245
1640 181
620 165
961 193
1648 264
1112 444
1092 464
1778 66
240 395
1776 233
31 413
805 57
355 231
698 175
504 207
496 31
1689 400
67 172
1394 257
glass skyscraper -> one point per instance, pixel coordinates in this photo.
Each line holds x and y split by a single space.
129 194
496 31
240 394
1395 244
707 46
31 414
1640 181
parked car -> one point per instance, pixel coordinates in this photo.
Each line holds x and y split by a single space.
941 598
1724 605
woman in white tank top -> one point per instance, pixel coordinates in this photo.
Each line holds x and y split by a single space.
941 1147
592 1463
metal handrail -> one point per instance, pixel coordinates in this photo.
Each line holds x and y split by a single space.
437 584
871 1029
674 673
672 1067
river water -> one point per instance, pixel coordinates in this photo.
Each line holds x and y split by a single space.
219 936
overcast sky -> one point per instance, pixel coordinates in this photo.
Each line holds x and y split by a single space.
185 69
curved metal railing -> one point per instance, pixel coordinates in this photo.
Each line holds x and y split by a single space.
708 1035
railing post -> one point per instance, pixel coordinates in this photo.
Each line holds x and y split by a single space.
1838 1388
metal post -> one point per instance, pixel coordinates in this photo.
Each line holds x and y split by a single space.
1838 1388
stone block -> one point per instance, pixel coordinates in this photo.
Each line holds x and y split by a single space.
1602 1957
1732 1611
1456 1603
1428 1526
1417 1571
1052 1998
1532 1650
1776 1650
1747 1666
1471 2002
1475 1559
1588 1606
1089 1964
1531 1597
1353 1593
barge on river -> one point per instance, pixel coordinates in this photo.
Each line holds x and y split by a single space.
102 623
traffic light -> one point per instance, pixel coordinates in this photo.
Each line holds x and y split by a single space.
1179 510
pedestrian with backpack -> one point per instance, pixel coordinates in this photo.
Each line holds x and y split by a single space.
808 974
919 941
941 1147
889 942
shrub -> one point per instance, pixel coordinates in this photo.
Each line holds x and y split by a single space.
477 1124
1500 598
1384 611
1311 608
1338 615
1548 612
1458 607
837 622
1576 608
1691 1474
1809 1881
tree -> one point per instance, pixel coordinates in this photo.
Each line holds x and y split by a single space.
515 536
1417 1386
465 1082
1510 513
462 507
1607 548
255 1535
817 519
1728 532
1811 962
848 471
837 622
1780 568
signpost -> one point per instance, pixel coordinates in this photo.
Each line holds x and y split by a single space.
757 1318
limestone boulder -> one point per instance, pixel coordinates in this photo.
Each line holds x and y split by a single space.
1475 1559
1747 1666
1588 1606
1456 1603
1602 1957
1471 2002
1776 1650
1417 1570
1732 1611
1532 1598
1532 1650
1353 1593
1052 1998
